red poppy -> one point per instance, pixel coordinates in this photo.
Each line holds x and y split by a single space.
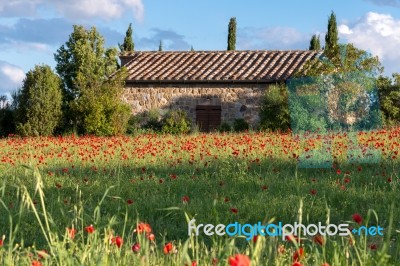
319 239
117 241
71 232
226 199
264 187
150 237
293 238
129 201
347 180
214 261
298 254
357 218
255 238
325 264
185 199
234 210
239 260
169 248
58 185
89 229
135 247
143 228
36 263
313 192
338 171
296 263
373 246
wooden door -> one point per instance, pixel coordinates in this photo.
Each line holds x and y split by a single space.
208 117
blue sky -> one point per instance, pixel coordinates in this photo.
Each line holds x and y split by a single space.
32 30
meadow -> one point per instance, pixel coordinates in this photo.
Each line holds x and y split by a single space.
127 200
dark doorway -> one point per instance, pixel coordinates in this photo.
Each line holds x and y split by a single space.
208 117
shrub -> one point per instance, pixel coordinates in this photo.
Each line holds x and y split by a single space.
225 127
240 125
274 114
175 122
7 122
38 103
151 120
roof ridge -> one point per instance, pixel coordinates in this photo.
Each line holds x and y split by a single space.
215 51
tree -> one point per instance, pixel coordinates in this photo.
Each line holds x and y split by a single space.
160 47
93 99
331 37
192 49
38 109
274 114
389 99
232 34
128 45
315 43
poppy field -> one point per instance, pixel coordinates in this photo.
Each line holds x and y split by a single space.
127 200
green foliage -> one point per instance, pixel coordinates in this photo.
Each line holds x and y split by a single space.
93 100
128 45
389 97
225 127
151 120
240 125
232 34
175 122
7 122
39 101
274 114
160 46
315 43
332 37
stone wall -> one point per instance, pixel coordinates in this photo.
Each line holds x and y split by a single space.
236 100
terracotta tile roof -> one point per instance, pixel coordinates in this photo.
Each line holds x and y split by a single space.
214 66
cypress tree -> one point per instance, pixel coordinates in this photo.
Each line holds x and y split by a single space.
128 45
331 37
232 34
160 48
315 43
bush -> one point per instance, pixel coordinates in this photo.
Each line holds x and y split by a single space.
225 127
7 122
38 103
240 125
175 122
274 114
151 120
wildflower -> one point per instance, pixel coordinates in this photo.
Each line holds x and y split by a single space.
347 180
129 201
135 247
338 171
169 248
264 187
319 239
281 249
296 263
36 263
117 241
373 246
298 254
71 232
143 228
313 192
89 229
234 210
150 237
293 238
357 218
239 260
185 199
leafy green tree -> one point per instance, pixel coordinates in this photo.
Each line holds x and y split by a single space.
39 102
389 99
232 34
128 45
274 114
332 37
315 43
93 99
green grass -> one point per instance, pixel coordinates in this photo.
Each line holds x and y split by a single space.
50 184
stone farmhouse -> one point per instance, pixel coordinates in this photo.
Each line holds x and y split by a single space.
211 86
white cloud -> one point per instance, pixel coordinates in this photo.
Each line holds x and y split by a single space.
378 34
394 3
278 38
76 9
11 77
